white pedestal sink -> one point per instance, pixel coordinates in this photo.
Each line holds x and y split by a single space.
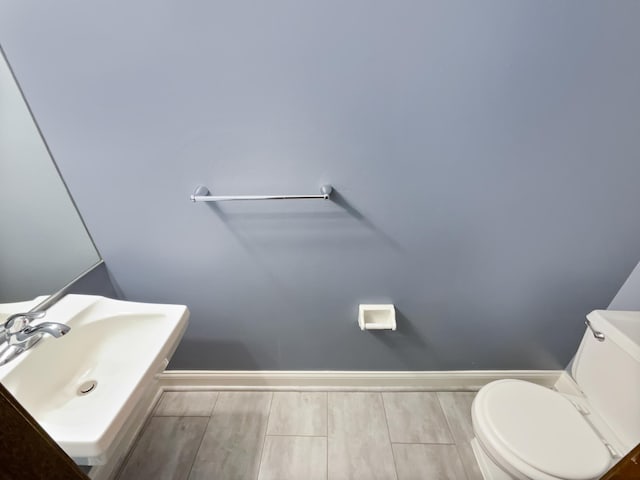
84 387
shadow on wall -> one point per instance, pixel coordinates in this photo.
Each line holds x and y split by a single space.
407 343
193 353
233 220
98 281
339 200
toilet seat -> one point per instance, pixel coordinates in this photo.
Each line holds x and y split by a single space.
537 432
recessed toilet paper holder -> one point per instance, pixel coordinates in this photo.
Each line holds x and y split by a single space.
377 317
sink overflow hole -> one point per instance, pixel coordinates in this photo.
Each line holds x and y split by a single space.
87 387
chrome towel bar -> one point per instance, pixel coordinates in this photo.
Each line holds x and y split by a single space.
202 194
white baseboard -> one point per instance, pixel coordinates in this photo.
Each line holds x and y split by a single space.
472 380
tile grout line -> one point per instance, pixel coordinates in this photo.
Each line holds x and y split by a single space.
197 450
386 421
444 415
464 464
446 418
182 416
469 469
264 440
204 432
118 471
266 428
421 443
157 413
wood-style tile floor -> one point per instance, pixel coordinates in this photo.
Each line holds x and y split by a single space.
306 436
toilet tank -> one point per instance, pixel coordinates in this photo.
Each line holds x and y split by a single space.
608 372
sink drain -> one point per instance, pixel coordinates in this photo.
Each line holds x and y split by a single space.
87 387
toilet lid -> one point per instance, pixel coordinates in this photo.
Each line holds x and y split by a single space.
543 429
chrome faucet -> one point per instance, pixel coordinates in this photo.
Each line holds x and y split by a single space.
29 332
17 335
19 320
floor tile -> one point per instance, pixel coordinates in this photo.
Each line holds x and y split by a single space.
358 441
294 458
298 413
181 404
233 440
433 462
165 450
457 410
416 417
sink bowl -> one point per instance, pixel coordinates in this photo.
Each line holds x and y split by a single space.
84 386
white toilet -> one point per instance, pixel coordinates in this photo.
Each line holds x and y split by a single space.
526 431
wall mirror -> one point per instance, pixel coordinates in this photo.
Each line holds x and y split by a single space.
44 243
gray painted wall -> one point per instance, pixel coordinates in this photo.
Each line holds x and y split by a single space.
485 155
95 282
628 297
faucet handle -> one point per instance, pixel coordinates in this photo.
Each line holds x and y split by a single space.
56 330
22 319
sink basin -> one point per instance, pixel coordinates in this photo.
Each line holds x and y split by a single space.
83 387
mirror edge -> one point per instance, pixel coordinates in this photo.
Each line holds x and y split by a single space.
55 297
